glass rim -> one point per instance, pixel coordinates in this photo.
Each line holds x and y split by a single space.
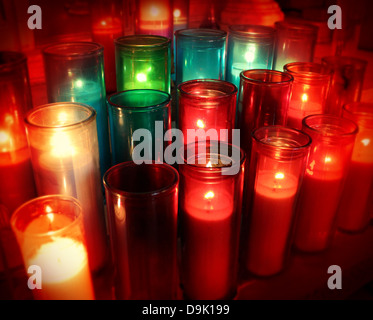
299 133
163 41
54 50
15 59
91 115
181 86
348 109
303 26
255 31
243 75
201 34
341 120
78 218
129 194
325 74
160 105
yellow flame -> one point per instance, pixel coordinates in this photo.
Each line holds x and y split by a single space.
279 175
209 195
61 145
141 77
328 159
365 142
209 165
200 124
79 83
177 13
304 97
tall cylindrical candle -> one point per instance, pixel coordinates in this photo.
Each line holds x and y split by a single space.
50 234
353 213
143 62
207 104
139 109
210 204
333 139
74 72
277 164
295 42
142 202
309 91
17 180
64 155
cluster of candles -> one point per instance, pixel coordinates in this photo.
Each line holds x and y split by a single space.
304 164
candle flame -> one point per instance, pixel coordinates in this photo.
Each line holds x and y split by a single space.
4 137
304 97
209 195
279 175
200 124
209 165
177 13
141 77
61 145
250 54
79 83
328 159
365 142
103 23
154 11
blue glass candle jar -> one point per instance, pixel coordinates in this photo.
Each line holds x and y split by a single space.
74 72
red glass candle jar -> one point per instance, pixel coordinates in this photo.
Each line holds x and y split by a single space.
353 213
207 104
142 202
333 139
263 101
277 164
309 92
17 180
210 204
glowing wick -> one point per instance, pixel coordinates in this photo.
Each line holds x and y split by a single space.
209 195
200 124
279 175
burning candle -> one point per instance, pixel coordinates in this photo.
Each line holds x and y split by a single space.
353 213
180 14
210 213
207 104
50 234
75 73
17 180
277 166
64 153
332 143
295 42
309 92
154 17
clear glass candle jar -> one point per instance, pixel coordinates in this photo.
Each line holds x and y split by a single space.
277 165
353 213
65 160
333 140
210 204
143 62
295 42
309 92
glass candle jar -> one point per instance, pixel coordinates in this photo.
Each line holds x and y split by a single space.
207 104
50 234
346 82
74 72
333 139
142 203
200 54
64 154
149 112
309 92
143 62
353 213
154 17
277 164
17 180
249 47
295 42
210 204
263 101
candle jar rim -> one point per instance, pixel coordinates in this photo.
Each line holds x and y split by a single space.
265 77
166 189
87 110
361 108
11 59
73 50
330 126
231 89
297 140
201 34
48 199
159 105
142 41
252 31
308 71
345 60
296 26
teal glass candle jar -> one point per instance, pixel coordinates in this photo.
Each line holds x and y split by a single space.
149 110
74 72
143 62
